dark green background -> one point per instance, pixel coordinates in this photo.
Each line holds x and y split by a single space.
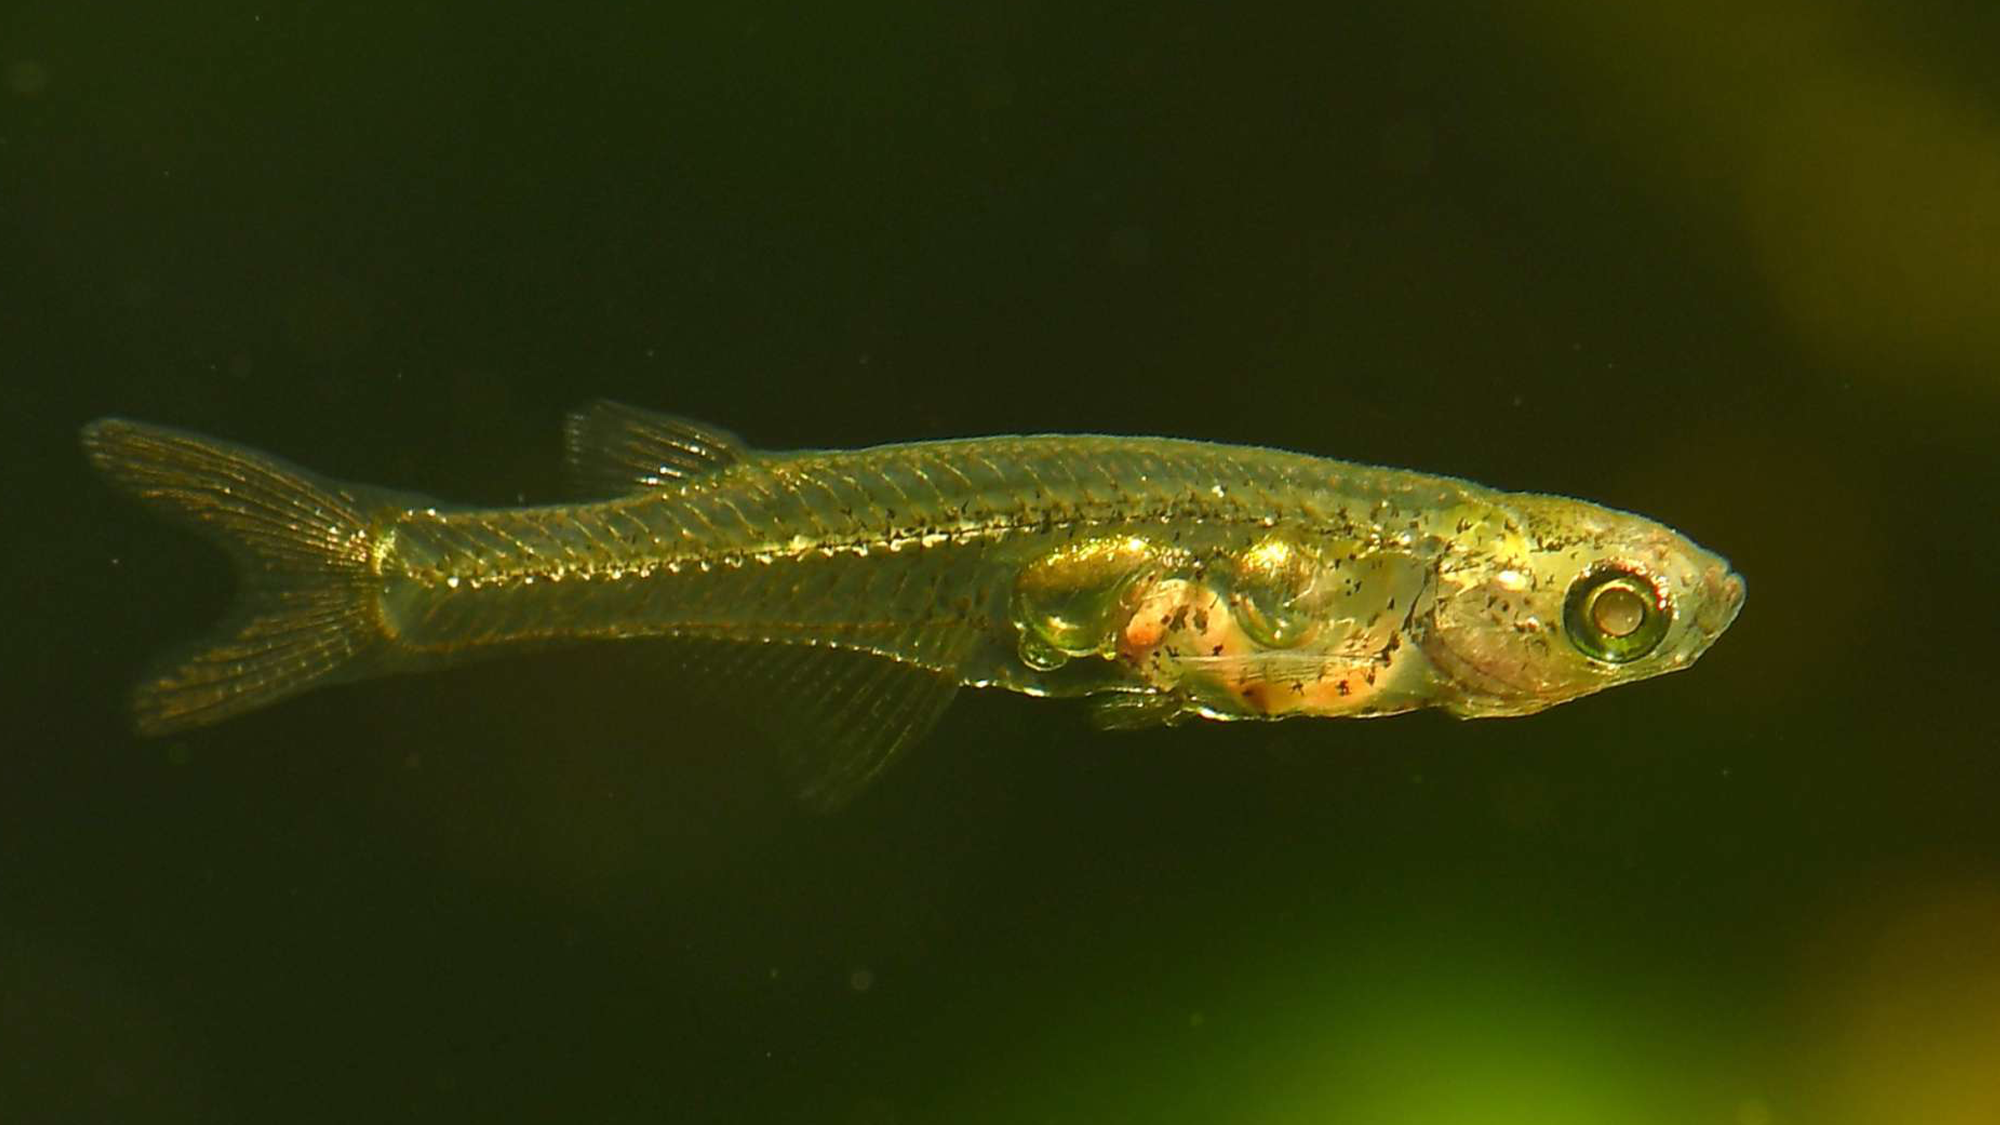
1732 267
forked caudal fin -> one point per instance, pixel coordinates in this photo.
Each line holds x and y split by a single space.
304 552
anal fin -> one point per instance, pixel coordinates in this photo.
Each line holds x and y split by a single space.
842 717
838 717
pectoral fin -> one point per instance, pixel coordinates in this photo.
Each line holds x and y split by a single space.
1136 710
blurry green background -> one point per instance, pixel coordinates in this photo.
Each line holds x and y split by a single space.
1733 266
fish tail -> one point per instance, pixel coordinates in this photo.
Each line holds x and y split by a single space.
305 553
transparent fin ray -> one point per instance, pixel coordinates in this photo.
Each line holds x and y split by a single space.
613 449
1136 710
303 550
838 717
841 718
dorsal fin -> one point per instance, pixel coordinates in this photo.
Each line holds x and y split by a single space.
613 449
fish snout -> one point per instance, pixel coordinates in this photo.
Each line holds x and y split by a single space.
1723 591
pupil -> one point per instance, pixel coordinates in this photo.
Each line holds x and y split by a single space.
1618 612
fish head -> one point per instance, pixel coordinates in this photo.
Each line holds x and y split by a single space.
1538 600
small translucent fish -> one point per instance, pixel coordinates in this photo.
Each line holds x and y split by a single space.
1162 578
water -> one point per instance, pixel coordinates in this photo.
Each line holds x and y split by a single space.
1734 274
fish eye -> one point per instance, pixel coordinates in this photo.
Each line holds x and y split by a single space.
1615 614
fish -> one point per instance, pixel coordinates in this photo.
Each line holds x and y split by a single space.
1158 579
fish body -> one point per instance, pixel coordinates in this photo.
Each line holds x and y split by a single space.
1162 578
